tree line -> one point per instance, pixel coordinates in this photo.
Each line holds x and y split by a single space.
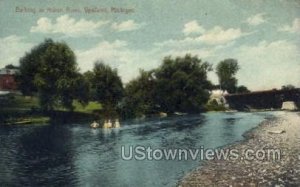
50 72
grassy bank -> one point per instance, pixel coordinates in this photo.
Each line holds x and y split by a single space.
17 109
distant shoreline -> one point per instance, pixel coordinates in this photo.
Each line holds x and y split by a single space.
282 133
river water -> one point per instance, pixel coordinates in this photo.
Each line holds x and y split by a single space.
76 155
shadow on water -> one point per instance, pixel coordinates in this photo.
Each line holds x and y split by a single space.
229 126
44 156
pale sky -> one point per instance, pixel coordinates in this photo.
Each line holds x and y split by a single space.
263 35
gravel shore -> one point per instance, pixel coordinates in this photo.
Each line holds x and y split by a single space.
281 133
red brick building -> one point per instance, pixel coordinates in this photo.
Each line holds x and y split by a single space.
7 79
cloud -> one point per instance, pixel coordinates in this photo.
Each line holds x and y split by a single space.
118 55
128 25
218 35
105 51
294 28
178 44
269 64
68 26
214 36
201 53
12 48
192 27
265 65
256 19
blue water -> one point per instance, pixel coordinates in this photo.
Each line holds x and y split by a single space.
74 154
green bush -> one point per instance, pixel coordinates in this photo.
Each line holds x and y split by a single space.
214 106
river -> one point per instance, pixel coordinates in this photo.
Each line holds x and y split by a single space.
76 155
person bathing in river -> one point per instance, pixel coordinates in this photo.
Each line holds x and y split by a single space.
117 123
94 124
107 124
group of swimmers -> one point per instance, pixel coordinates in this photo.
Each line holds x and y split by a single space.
107 124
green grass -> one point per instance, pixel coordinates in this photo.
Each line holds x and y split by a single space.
89 108
16 109
78 107
18 102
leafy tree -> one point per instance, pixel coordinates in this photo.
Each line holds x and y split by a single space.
30 64
139 96
288 87
82 89
88 77
242 89
179 84
182 84
107 85
50 70
213 105
10 66
226 71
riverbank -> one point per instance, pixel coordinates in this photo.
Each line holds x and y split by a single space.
20 110
27 120
55 117
281 133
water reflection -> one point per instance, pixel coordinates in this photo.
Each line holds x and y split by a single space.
229 126
44 157
7 156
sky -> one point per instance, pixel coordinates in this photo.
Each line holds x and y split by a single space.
263 35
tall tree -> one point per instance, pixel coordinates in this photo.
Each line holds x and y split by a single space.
178 85
287 87
242 89
50 70
108 86
10 66
89 76
140 95
182 84
30 64
226 70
